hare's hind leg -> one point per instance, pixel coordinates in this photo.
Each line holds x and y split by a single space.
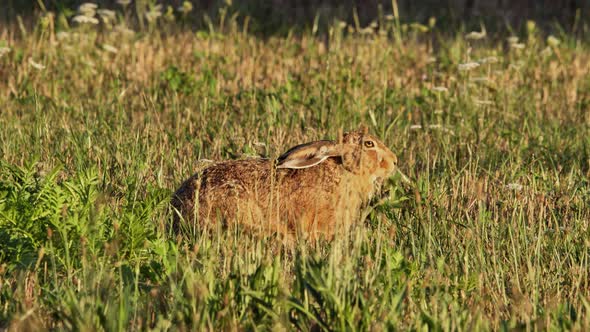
183 203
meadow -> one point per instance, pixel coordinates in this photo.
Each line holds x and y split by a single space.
103 117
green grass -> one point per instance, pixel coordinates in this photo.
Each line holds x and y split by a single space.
493 233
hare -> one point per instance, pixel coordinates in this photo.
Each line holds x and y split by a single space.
313 189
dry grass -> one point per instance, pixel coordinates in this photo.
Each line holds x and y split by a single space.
100 125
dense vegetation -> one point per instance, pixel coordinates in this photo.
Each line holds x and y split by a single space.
100 123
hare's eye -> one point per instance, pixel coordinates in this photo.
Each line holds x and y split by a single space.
369 144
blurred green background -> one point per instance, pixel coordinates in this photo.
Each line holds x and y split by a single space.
281 16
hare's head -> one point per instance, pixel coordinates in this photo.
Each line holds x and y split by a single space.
359 152
367 155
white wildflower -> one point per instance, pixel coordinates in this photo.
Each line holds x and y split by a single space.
552 41
82 19
468 66
107 15
124 30
4 51
481 102
87 6
514 186
152 16
154 13
490 59
517 46
123 2
88 9
341 24
433 127
36 65
512 40
63 35
440 89
389 17
477 35
546 51
110 48
448 131
367 31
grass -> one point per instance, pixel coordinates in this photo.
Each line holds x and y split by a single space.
100 124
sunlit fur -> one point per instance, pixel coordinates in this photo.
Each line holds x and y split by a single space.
314 201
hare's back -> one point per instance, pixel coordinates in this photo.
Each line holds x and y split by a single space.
236 174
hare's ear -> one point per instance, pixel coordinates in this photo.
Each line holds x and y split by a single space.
308 155
351 158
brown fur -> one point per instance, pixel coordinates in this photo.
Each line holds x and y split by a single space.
316 200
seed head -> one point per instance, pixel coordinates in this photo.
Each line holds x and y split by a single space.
36 65
468 66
